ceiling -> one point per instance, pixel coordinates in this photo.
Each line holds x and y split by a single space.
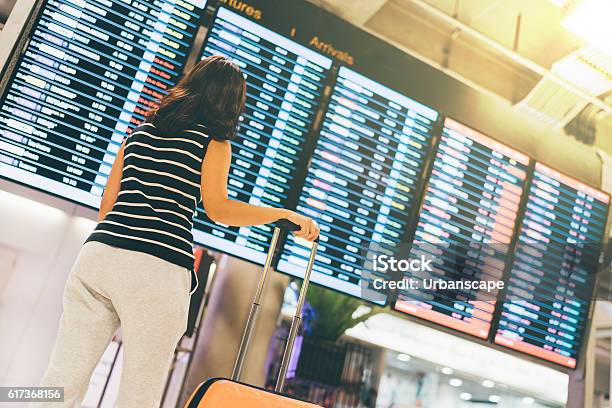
540 35
514 49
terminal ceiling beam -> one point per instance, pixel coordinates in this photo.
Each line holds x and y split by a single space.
510 54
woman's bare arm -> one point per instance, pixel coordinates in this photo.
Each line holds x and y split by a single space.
113 184
219 208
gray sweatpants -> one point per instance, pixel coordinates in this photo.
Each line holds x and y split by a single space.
107 287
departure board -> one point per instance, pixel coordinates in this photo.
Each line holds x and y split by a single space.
466 224
362 181
545 309
285 82
90 71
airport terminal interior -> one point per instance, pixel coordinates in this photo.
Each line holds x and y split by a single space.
476 132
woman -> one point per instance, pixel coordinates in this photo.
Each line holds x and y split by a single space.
135 267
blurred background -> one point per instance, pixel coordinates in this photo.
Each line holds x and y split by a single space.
536 74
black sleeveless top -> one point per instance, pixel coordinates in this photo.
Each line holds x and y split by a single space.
160 189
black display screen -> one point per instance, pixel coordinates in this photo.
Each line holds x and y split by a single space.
90 71
550 285
362 181
466 226
285 82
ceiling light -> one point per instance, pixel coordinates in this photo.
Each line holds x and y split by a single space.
488 384
494 398
455 382
591 21
466 396
588 69
447 370
403 357
528 400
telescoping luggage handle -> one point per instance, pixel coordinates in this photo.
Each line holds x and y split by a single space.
280 225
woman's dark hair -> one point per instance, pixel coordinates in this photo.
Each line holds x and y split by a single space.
212 93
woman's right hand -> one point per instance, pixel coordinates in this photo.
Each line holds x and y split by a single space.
309 230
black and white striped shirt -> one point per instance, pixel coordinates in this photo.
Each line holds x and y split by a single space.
160 189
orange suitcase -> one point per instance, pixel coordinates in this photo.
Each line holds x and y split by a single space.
231 393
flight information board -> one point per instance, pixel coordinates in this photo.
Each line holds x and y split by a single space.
285 82
465 226
362 180
90 71
545 309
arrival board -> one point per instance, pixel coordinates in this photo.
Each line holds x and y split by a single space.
546 306
362 181
285 82
90 71
466 224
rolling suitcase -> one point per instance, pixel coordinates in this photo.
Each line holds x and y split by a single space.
231 393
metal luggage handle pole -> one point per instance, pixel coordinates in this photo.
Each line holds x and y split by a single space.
296 322
248 330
